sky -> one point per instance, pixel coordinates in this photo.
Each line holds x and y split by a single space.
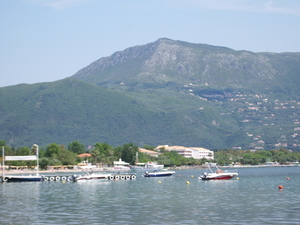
49 40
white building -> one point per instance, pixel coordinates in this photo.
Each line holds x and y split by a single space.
188 152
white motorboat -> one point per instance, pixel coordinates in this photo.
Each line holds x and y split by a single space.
92 176
218 174
121 166
156 173
147 166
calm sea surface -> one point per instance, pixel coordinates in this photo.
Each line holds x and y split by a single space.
254 198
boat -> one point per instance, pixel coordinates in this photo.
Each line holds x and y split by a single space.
92 176
157 173
218 174
22 178
121 166
147 166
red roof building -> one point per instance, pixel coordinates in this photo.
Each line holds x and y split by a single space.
84 155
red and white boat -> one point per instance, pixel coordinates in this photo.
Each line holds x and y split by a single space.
218 174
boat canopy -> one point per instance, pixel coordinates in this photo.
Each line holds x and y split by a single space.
120 162
18 158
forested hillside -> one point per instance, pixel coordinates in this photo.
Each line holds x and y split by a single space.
165 92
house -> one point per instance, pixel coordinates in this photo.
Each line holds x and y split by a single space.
148 152
200 153
84 155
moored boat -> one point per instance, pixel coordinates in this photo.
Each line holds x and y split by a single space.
147 166
121 166
218 174
156 173
92 176
20 178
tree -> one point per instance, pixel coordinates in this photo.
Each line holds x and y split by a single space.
149 147
52 150
43 163
95 154
144 158
103 152
172 158
67 157
23 151
76 147
164 159
127 152
2 143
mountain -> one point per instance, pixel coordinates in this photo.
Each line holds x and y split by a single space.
175 64
165 92
68 110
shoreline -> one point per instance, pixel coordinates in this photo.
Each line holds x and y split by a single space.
20 172
110 169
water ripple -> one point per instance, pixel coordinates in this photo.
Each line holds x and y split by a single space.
253 199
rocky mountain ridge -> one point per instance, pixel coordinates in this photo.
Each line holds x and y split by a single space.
179 63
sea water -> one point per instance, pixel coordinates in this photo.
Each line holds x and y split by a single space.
253 198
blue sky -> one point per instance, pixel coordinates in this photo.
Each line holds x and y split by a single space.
49 40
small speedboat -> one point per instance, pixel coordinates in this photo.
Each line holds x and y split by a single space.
92 176
156 173
218 174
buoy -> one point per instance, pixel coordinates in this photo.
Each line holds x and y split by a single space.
187 182
159 181
237 178
280 187
287 178
179 175
192 176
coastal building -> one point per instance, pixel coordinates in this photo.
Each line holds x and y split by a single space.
148 152
188 152
84 155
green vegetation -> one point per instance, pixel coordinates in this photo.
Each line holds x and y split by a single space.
260 157
166 92
70 109
105 154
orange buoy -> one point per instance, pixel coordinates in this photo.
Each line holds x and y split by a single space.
287 178
280 187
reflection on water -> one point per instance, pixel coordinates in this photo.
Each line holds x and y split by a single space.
252 199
